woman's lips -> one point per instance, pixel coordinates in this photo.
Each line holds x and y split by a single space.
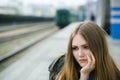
82 60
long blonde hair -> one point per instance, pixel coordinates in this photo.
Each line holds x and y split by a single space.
95 37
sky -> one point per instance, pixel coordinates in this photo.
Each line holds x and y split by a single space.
74 2
25 5
56 3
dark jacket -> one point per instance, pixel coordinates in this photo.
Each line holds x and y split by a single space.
55 67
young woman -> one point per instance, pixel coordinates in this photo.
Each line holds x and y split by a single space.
88 57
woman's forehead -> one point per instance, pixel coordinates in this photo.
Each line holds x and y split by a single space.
78 40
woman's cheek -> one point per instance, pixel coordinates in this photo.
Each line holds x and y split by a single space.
86 51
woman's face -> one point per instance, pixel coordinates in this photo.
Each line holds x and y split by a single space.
80 50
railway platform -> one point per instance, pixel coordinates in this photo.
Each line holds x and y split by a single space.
34 64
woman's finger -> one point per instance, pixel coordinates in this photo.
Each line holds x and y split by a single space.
89 60
93 59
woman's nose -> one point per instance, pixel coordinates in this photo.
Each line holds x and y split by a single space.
80 53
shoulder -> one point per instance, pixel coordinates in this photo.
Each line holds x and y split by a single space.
55 67
56 63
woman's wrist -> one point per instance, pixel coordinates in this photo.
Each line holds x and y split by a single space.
84 77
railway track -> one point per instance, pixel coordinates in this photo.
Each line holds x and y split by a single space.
16 40
8 34
14 26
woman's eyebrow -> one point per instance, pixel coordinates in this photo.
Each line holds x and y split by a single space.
80 45
84 44
74 45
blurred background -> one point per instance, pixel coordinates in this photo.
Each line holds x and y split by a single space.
23 23
17 11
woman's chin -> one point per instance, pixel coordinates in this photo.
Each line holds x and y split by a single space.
83 64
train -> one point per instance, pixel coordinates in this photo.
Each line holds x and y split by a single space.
64 17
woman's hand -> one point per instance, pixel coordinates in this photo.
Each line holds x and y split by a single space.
85 71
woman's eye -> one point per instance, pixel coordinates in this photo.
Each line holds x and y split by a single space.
86 47
74 48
